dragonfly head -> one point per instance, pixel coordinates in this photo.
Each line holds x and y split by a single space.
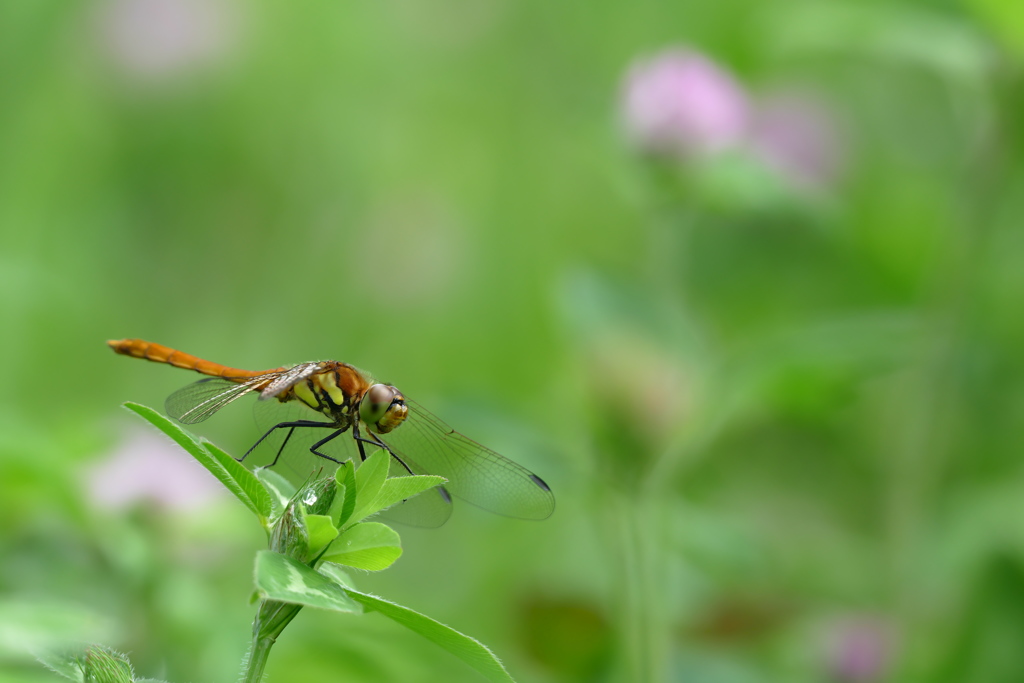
382 408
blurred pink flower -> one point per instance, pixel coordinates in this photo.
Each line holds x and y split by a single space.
680 102
795 136
860 649
149 467
153 40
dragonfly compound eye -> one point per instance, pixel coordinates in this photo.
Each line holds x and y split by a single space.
382 408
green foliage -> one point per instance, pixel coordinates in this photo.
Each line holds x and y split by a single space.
321 532
94 664
369 479
369 545
462 646
321 522
281 578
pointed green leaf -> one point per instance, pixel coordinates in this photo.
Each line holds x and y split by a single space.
281 490
63 663
336 573
337 510
469 650
370 545
345 476
370 477
398 489
48 625
286 580
252 486
200 453
321 531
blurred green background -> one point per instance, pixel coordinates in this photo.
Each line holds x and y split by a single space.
742 281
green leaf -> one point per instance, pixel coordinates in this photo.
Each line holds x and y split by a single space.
398 489
340 502
65 664
370 477
370 545
286 580
247 492
337 574
321 531
469 650
281 490
345 476
49 625
252 486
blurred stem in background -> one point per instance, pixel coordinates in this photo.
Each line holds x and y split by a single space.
636 342
936 394
653 410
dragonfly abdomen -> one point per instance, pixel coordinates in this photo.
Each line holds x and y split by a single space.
158 353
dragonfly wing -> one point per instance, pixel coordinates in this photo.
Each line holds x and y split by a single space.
474 472
291 447
198 401
429 509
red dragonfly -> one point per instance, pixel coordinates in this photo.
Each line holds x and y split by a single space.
305 408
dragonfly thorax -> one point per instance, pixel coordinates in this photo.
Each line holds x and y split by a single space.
334 390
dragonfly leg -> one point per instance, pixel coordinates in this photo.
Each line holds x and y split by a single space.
321 442
291 430
374 440
282 425
359 442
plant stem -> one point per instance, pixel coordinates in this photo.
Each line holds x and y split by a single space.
256 661
270 621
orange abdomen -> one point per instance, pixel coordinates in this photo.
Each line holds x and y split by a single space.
158 353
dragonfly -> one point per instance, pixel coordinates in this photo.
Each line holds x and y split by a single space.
331 411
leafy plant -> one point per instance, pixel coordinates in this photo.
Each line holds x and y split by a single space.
314 533
94 664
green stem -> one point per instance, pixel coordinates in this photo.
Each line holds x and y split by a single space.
256 661
271 619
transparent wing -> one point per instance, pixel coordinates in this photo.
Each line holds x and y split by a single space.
474 472
429 509
198 401
291 447
298 463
